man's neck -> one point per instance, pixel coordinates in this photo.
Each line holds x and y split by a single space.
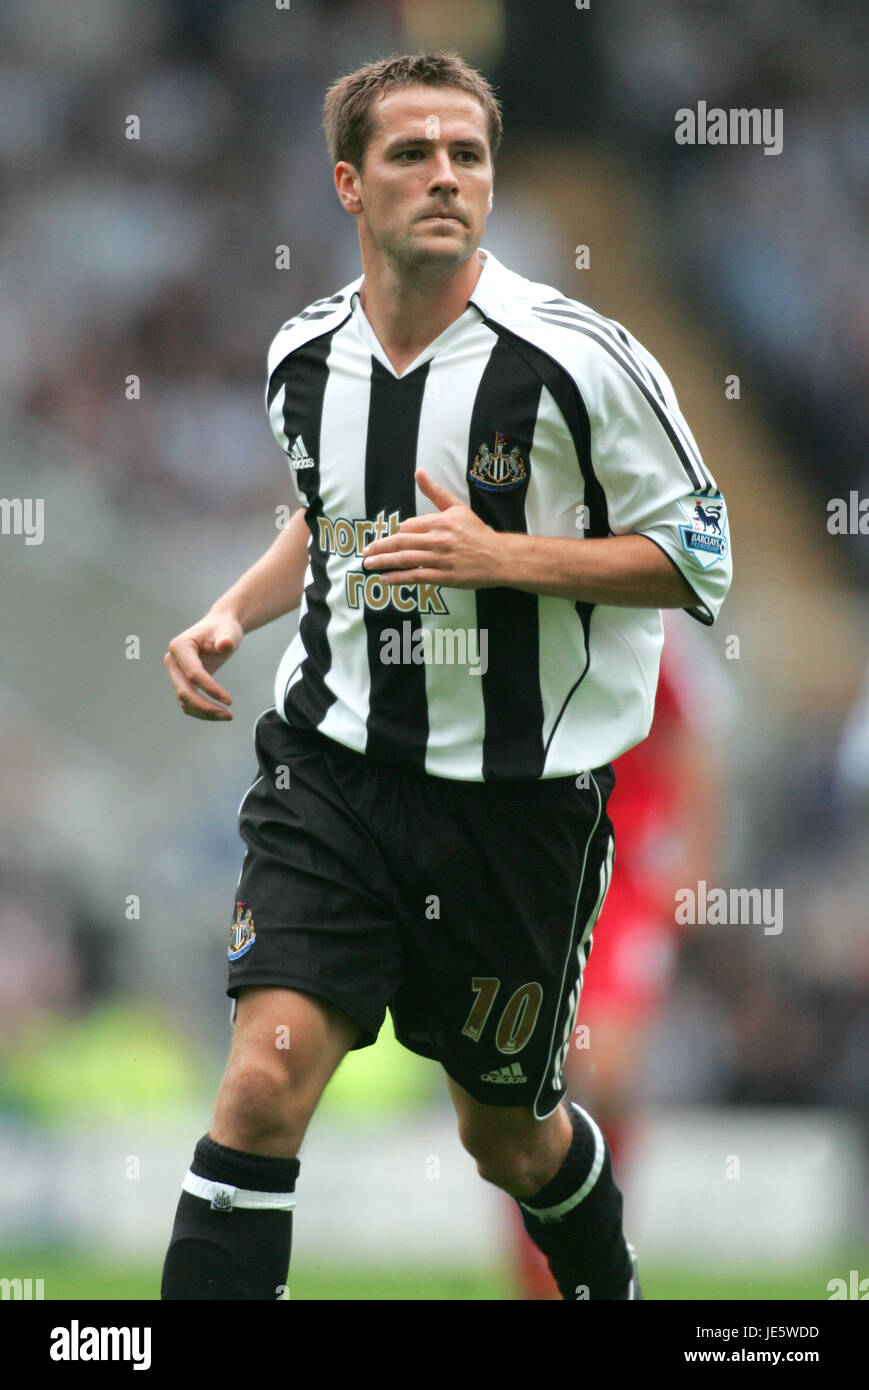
406 315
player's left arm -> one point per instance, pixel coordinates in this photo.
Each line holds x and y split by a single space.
659 532
453 547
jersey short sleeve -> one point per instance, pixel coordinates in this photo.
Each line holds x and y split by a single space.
274 400
648 463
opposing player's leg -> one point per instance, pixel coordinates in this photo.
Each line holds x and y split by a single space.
560 1172
233 1226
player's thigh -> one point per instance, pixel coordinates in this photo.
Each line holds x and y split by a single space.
304 1034
485 1127
314 909
518 875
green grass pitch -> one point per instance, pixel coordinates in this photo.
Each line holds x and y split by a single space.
72 1275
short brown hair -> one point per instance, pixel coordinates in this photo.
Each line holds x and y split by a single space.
347 111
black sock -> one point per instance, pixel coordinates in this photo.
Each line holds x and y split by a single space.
233 1226
576 1219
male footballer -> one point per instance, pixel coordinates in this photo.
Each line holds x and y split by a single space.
497 495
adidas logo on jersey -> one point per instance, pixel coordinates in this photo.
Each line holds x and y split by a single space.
299 456
506 1076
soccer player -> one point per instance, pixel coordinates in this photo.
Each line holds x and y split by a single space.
498 495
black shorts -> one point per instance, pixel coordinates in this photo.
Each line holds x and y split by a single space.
466 908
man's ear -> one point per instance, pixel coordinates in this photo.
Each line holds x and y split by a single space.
349 196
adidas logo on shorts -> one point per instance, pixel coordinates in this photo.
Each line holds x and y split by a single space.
506 1076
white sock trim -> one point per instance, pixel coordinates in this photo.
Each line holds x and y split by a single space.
223 1196
557 1212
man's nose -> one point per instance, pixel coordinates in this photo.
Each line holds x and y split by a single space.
443 174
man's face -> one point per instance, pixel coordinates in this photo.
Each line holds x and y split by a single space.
423 193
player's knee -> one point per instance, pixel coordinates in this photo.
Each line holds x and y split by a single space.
516 1174
509 1163
258 1100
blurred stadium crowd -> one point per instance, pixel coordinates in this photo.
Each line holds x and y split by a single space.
779 264
155 257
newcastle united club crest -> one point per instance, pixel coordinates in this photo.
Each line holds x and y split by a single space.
499 469
241 933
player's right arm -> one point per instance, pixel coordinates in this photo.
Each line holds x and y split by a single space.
271 587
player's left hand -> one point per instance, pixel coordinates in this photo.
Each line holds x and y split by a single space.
451 546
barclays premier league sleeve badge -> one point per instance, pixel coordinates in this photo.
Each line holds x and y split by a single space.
705 537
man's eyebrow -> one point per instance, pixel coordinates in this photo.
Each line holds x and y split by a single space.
405 141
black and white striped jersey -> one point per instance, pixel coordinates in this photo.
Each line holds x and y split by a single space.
549 419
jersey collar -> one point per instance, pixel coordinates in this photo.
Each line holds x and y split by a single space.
484 298
490 292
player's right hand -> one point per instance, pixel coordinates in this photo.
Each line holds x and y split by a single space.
193 655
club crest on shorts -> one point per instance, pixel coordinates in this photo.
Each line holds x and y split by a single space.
498 469
241 933
705 537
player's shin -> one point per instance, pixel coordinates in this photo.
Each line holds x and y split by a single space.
233 1226
576 1219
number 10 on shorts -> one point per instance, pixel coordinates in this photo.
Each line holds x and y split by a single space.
516 1023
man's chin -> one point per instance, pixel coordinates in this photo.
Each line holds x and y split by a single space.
424 248
440 240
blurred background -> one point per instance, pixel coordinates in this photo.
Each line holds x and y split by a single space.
139 294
